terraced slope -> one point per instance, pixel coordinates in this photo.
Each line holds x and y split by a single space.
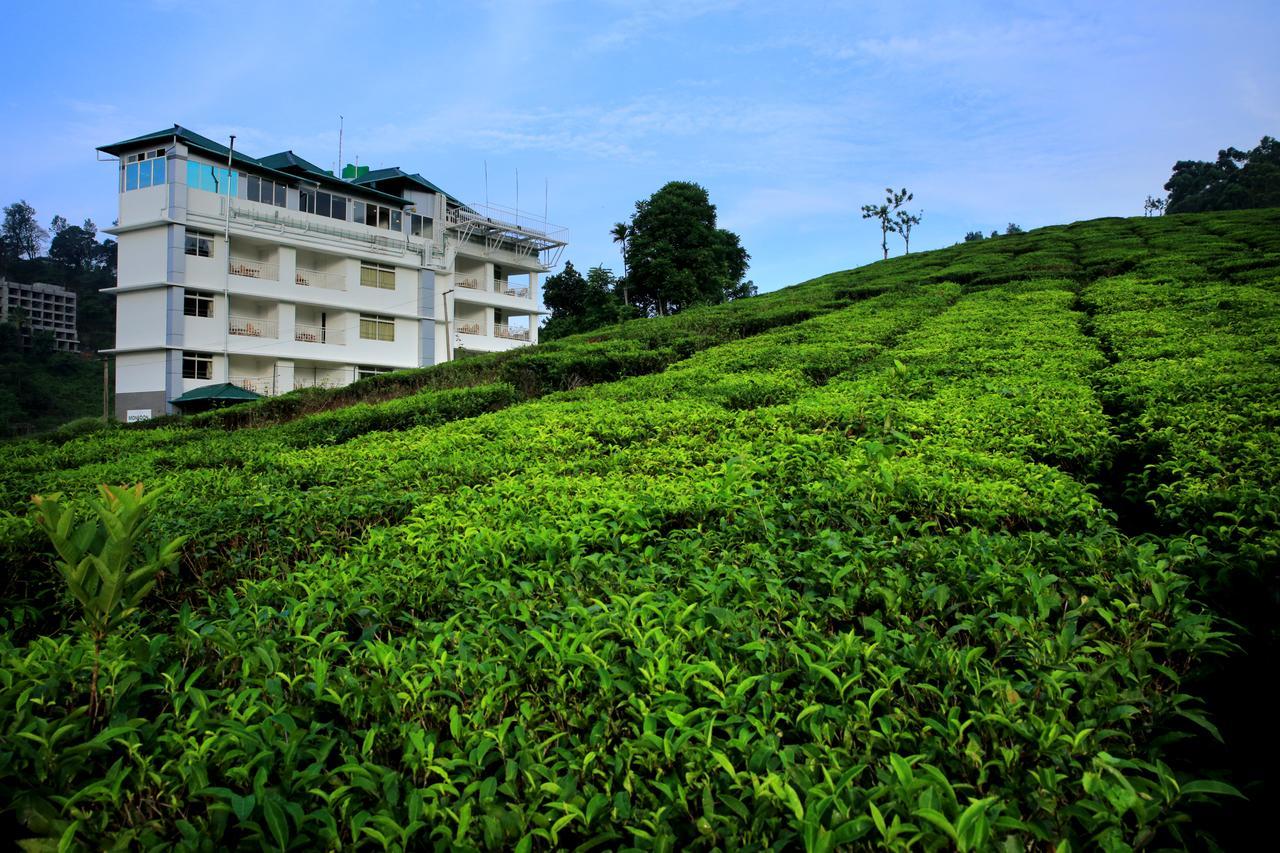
935 553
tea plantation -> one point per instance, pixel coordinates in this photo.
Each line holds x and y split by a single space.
970 549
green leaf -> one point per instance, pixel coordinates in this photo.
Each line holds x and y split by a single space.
243 806
1210 786
277 821
939 820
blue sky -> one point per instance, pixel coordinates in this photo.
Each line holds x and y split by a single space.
793 115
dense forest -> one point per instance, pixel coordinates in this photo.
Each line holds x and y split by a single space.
40 388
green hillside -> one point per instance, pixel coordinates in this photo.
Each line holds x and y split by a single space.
965 549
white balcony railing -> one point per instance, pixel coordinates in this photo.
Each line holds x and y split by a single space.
317 278
311 382
253 327
500 285
469 329
311 334
502 330
250 268
470 283
264 385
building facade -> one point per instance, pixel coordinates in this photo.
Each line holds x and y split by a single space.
41 308
273 274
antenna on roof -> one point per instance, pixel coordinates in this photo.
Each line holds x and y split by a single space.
338 169
546 191
486 183
517 195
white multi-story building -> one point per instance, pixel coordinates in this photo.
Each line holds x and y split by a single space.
273 274
41 308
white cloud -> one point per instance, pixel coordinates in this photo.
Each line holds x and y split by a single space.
648 15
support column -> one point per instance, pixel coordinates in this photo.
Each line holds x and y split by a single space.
288 257
426 318
287 321
284 376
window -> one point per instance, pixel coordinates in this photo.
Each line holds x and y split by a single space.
197 305
377 216
263 190
378 275
419 226
199 243
213 179
197 365
364 372
322 204
146 169
376 328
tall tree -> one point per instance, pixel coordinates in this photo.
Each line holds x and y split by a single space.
1152 206
76 245
621 234
1014 228
974 236
1237 180
23 237
886 214
677 255
904 222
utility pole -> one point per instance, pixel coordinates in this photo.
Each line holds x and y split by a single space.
106 416
226 269
448 337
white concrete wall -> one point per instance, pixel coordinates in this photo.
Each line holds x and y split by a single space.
144 256
206 334
144 205
140 371
141 319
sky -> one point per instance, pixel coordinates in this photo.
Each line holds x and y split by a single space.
793 115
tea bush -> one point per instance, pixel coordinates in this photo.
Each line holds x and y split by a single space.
852 565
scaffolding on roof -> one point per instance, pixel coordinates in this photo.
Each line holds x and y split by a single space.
508 229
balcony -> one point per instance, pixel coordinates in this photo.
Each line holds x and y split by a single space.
470 328
264 385
500 285
250 268
311 382
316 278
471 283
312 334
502 330
253 327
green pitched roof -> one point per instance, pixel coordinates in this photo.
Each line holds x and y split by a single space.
287 161
193 140
224 391
285 164
397 175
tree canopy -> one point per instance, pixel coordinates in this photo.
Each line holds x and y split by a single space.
1236 180
21 236
678 257
579 304
77 245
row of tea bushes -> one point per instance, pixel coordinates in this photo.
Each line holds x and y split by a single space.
669 621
